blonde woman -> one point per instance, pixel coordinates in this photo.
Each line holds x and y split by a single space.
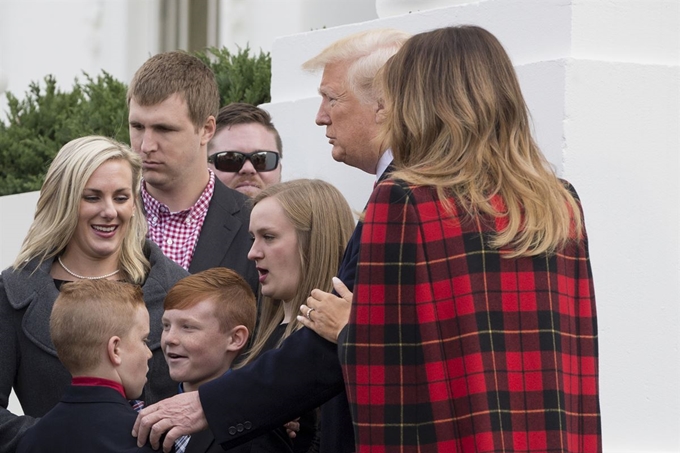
88 225
299 229
473 325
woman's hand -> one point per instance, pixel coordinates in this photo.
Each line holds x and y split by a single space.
325 313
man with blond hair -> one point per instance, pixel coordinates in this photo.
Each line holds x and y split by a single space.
307 366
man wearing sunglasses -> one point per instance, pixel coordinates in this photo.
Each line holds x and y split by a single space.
245 152
195 220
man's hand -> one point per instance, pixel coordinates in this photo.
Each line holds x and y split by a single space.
176 416
329 313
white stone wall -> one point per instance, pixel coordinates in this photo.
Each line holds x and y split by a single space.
602 80
257 23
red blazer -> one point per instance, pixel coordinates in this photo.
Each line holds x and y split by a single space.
451 348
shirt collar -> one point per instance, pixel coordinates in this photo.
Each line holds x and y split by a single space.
89 381
196 211
200 208
384 162
150 203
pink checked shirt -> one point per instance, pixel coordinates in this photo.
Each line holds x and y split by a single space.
176 233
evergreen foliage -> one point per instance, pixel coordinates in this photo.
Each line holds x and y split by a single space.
40 124
240 77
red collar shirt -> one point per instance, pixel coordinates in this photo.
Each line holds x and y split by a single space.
176 233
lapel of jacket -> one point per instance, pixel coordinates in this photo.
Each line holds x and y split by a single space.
37 294
347 269
219 228
388 171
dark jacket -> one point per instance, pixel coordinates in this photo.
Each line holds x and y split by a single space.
303 373
28 360
88 419
224 240
273 442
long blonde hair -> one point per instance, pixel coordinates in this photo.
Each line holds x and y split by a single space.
456 120
323 222
56 214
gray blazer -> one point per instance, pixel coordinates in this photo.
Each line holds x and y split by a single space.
224 240
28 360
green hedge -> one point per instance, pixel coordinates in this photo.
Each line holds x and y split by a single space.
39 125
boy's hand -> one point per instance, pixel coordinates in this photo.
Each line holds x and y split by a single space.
182 414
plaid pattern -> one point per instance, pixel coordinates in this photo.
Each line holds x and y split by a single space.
176 233
137 405
452 348
181 443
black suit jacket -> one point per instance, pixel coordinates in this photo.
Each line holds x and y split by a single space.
337 431
224 240
279 386
348 267
276 441
88 419
203 442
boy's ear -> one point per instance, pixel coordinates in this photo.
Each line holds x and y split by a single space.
113 351
239 338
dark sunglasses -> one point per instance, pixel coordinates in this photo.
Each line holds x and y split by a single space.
232 161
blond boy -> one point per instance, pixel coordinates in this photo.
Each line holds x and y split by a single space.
99 329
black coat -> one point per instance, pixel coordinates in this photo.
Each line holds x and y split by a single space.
224 240
88 419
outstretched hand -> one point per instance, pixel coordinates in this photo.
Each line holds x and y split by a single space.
182 414
325 313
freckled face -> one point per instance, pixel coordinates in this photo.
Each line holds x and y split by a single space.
351 125
275 250
195 347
